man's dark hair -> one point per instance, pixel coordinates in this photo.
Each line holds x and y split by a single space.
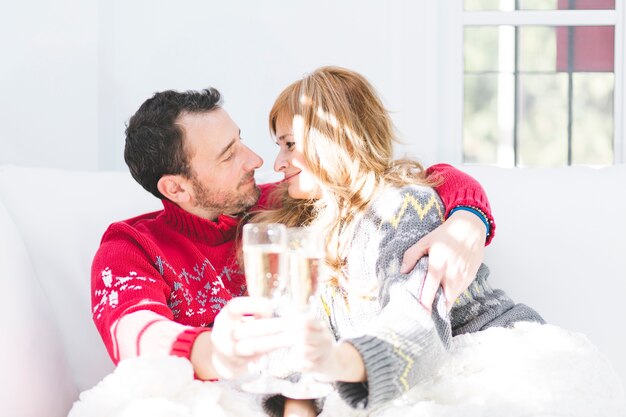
154 141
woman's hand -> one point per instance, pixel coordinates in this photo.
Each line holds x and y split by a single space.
299 408
455 251
329 360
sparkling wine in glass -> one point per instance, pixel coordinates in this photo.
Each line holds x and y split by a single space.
265 265
306 254
263 269
304 275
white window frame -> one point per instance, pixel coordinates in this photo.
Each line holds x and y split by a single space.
454 19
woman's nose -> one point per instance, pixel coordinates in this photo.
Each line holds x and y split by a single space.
280 162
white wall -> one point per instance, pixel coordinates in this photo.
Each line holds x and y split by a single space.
75 70
250 50
48 83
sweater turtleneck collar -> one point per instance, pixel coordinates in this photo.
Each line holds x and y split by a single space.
212 232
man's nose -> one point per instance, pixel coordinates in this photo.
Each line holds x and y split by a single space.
254 161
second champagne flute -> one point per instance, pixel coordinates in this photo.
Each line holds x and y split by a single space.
306 249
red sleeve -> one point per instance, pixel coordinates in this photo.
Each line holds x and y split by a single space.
123 281
184 342
456 188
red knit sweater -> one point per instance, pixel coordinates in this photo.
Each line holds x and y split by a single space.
181 269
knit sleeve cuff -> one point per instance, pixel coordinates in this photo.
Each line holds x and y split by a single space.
459 189
479 206
466 198
184 342
381 371
478 213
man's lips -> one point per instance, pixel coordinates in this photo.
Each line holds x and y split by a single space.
247 180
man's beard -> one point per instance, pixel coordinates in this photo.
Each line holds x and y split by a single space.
226 202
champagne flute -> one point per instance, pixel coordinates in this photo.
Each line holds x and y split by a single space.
265 265
306 250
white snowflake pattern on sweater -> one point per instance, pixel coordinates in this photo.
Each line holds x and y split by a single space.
109 296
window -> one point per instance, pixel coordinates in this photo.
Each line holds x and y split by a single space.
542 82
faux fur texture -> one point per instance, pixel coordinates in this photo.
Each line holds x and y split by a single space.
530 370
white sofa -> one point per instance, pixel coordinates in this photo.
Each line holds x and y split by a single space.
560 247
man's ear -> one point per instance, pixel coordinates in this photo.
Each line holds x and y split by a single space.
175 188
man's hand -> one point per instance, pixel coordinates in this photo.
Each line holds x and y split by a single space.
243 331
455 250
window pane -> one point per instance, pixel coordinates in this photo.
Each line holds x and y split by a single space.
481 48
548 48
549 105
566 4
539 5
542 119
591 47
481 5
481 132
592 121
537 48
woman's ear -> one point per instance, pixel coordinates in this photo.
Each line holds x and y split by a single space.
175 188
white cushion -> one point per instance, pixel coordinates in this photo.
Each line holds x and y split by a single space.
560 246
36 379
62 216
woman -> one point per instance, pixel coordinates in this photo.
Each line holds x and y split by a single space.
336 155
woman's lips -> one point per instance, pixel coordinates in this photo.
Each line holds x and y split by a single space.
288 177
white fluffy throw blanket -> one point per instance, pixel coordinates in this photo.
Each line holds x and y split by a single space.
530 370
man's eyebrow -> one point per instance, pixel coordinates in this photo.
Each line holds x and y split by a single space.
227 147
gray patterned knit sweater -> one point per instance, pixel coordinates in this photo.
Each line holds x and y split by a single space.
377 309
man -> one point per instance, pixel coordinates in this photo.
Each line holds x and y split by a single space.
162 281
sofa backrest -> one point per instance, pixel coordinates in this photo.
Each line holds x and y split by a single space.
32 356
560 246
61 216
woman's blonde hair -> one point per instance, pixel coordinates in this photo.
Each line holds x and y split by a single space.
347 139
